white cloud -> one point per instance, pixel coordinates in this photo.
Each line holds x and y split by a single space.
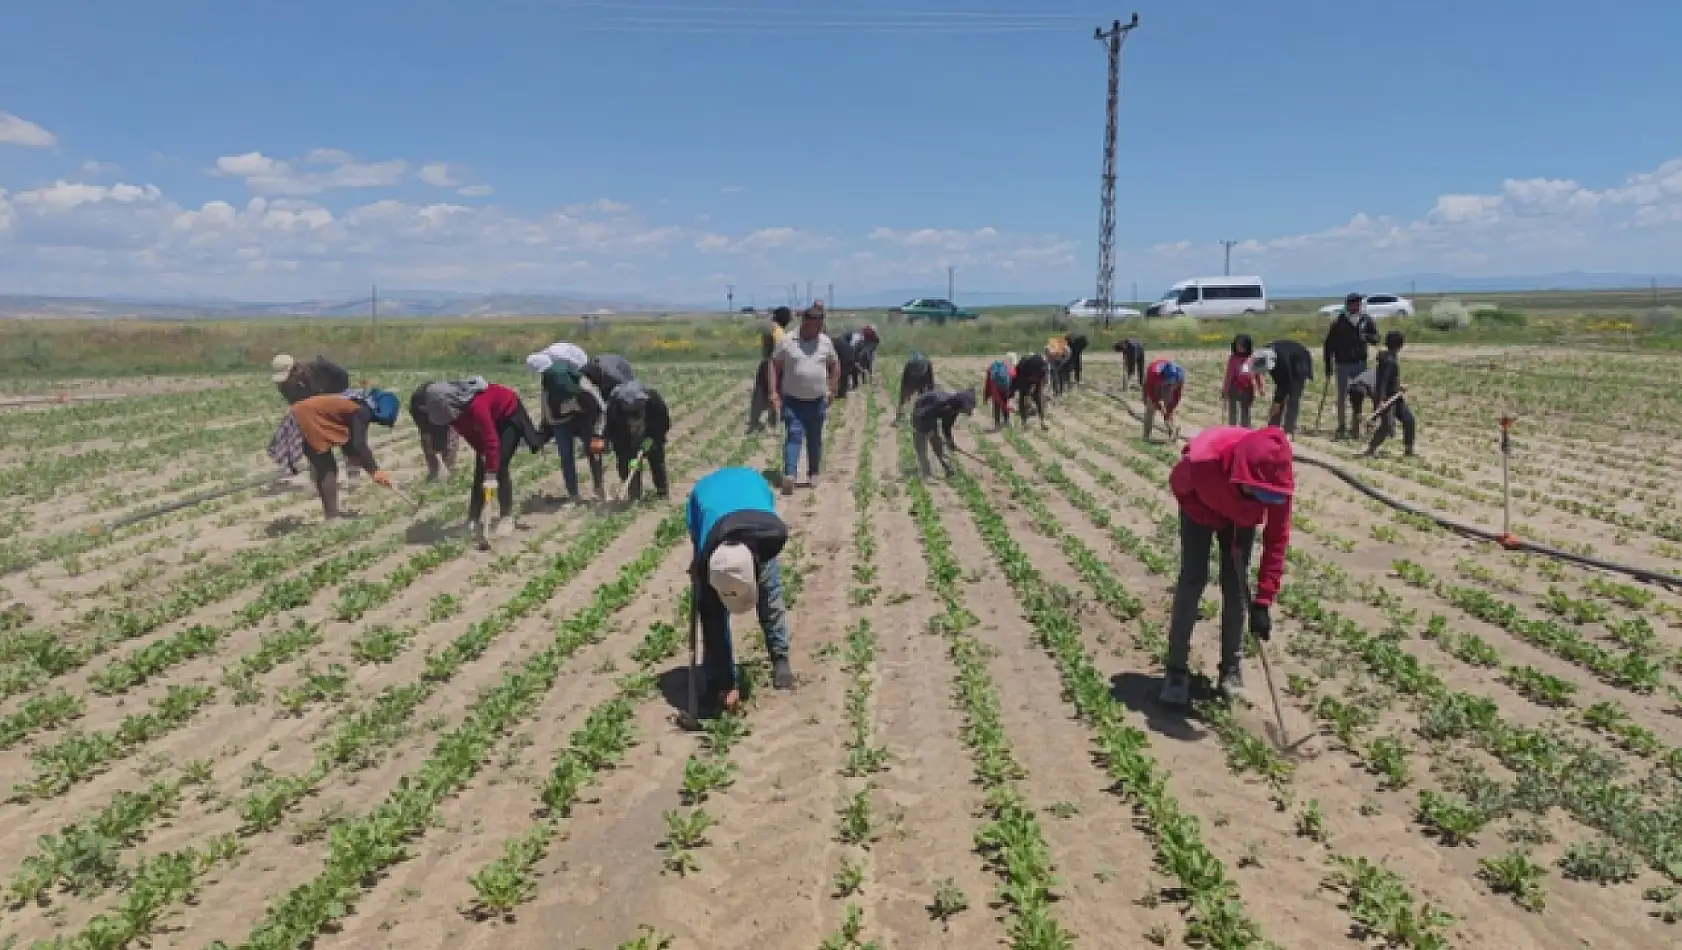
272 176
96 168
438 175
474 191
943 239
733 189
15 130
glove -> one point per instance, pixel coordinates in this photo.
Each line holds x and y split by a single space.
382 479
598 445
1261 622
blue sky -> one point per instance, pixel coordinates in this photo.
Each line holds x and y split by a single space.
303 148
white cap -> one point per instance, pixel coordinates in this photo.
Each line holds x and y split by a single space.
538 362
281 367
731 573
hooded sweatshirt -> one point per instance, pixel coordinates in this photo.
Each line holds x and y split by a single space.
570 397
480 421
609 371
1206 480
1238 382
1292 364
1166 397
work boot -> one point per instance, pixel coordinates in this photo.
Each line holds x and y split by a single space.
1342 434
782 675
788 485
1232 685
1176 688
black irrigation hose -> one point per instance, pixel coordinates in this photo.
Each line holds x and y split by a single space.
1472 531
187 502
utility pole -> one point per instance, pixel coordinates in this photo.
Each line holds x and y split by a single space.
1228 245
808 293
950 291
374 312
1135 297
730 295
1116 35
829 299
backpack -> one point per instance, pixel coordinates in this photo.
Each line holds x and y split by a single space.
609 371
383 405
999 374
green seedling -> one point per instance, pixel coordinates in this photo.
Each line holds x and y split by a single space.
1516 875
949 901
849 879
857 819
701 775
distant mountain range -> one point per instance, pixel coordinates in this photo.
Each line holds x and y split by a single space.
428 303
394 304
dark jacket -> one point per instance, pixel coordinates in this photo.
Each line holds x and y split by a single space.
1292 363
848 358
634 413
1030 372
1347 340
942 408
1206 483
608 372
318 377
733 504
1389 376
1077 344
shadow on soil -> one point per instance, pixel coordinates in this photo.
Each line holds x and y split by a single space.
1139 692
432 530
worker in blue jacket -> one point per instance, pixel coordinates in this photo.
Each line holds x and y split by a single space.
733 524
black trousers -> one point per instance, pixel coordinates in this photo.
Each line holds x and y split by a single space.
511 433
1032 393
654 463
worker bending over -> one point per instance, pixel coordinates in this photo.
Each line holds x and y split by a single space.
733 525
1029 387
1165 380
915 379
1292 368
1077 345
932 419
439 443
333 421
1387 384
637 417
572 411
1132 352
1001 379
491 418
1228 482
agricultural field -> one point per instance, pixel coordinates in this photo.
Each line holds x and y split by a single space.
236 726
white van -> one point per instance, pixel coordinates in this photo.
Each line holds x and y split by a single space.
1212 297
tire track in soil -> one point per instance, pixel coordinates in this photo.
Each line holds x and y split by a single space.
1100 873
1443 876
763 880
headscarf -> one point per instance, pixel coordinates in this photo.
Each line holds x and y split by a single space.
538 362
561 381
1010 360
445 401
564 352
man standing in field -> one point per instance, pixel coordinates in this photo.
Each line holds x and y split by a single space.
733 525
1228 482
1164 382
1292 368
804 374
1345 354
769 339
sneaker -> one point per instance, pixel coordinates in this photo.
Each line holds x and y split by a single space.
1176 689
1232 685
788 486
812 480
782 675
477 530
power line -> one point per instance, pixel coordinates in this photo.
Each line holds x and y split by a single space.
977 15
1116 35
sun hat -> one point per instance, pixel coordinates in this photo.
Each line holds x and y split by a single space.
538 362
280 368
731 573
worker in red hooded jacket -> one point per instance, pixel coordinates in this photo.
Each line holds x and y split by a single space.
1229 481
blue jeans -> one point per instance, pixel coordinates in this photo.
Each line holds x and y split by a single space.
566 445
719 658
803 422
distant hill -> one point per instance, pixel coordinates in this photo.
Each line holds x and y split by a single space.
395 304
1450 284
